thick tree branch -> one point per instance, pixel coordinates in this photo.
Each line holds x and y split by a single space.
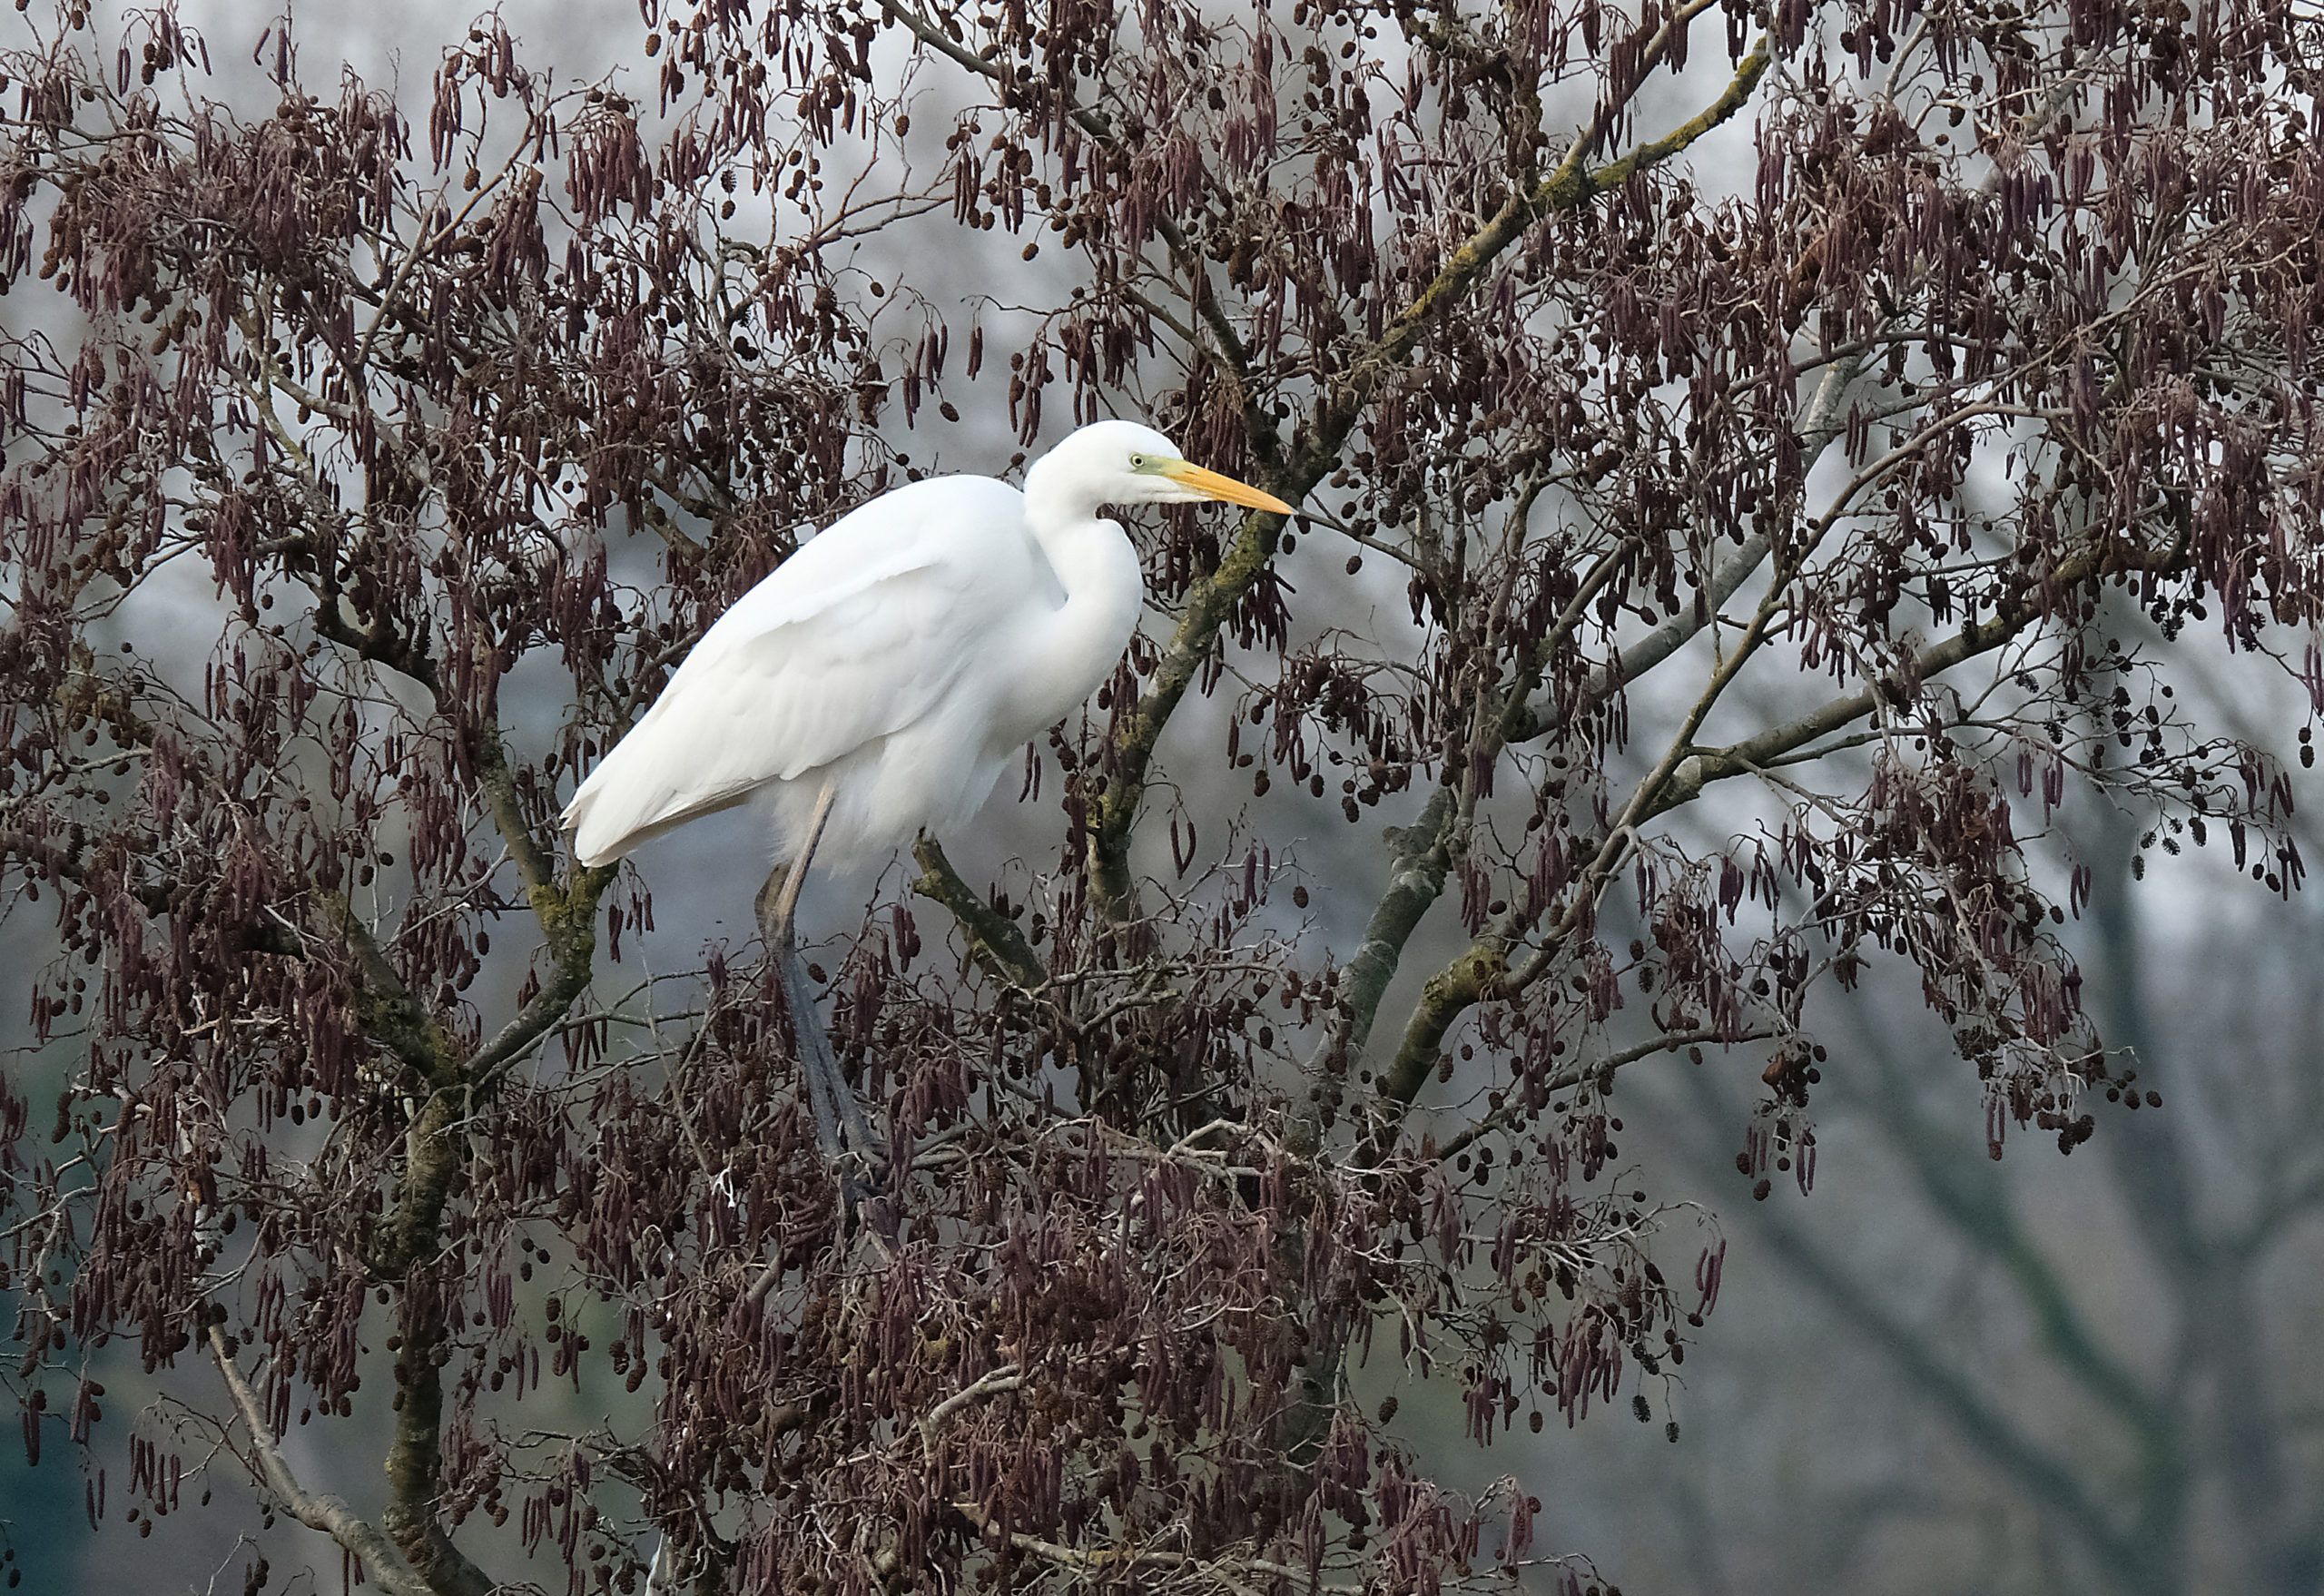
994 941
385 1008
497 784
435 1152
1701 767
567 916
415 1456
1422 856
1699 770
331 1515
1424 851
1007 1377
435 1158
1208 604
1477 972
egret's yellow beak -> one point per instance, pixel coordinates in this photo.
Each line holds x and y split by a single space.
1211 485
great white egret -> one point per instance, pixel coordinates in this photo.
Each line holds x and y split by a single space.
880 680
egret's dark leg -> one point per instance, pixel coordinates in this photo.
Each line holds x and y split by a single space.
783 948
840 1126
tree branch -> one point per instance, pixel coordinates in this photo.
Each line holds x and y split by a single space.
1569 187
1821 423
1573 1074
332 1515
1209 601
1423 855
1212 599
1482 970
385 1008
567 916
1704 766
415 1456
489 758
1124 1557
435 1153
1008 1377
994 941
1476 972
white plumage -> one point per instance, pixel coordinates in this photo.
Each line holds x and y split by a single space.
903 658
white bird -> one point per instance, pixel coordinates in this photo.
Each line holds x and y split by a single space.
902 659
880 679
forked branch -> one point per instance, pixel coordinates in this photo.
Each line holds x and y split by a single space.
331 1515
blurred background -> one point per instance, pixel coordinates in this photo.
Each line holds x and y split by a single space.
1938 1373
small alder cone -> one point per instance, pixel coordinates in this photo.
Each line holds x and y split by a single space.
1712 596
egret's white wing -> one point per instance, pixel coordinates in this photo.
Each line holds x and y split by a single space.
858 634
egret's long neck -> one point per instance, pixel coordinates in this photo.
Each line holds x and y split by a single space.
1083 640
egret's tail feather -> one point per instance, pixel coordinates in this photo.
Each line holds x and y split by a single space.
604 827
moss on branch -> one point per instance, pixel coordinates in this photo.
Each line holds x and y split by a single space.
1475 973
995 944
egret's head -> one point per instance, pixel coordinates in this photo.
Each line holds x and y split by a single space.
1121 462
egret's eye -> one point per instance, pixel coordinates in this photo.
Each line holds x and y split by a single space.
1137 462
